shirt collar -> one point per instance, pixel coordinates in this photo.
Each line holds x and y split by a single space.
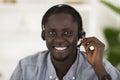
71 74
50 68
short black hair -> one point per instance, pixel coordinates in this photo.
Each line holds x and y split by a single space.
63 8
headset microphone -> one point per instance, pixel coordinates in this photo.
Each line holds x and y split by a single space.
81 36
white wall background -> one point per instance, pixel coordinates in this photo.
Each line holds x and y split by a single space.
20 27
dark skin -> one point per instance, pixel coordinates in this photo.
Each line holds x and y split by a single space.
61 39
59 33
95 56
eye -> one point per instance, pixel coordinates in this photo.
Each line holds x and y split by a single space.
52 33
67 33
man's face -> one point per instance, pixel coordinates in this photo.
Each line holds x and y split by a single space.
61 36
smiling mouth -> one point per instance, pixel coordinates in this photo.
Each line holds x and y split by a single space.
60 48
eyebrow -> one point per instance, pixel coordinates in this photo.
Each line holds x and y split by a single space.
65 29
52 29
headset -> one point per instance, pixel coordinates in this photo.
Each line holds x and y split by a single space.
63 8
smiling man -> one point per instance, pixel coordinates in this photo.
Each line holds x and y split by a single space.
60 35
62 29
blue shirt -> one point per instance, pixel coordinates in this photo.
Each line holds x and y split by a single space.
40 67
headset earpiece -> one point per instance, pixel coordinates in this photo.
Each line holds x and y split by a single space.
43 35
81 35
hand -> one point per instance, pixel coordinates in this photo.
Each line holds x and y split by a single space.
95 56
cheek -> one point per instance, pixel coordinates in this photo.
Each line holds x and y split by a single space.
49 42
73 40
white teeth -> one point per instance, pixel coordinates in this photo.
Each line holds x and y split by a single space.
60 48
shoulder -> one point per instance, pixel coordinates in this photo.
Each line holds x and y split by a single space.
28 66
108 66
115 74
35 59
106 63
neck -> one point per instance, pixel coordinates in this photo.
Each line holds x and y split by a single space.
62 67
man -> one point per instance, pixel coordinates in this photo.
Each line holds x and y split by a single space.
62 29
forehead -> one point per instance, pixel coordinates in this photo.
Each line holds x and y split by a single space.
61 16
61 19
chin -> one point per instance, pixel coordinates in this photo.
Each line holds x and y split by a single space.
60 58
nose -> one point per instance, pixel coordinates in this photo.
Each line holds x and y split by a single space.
59 39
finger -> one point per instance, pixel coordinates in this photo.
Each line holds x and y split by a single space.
86 41
89 44
90 47
95 40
